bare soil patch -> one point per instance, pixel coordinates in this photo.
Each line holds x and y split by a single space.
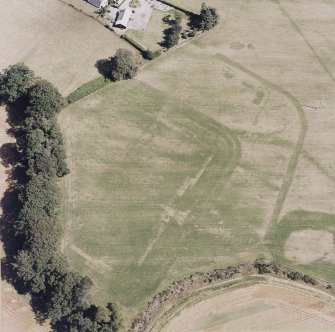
16 314
308 245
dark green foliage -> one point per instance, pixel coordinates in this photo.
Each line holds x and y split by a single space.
44 163
309 280
171 38
67 294
172 34
33 143
294 275
87 89
150 55
209 17
24 265
41 193
44 100
262 265
122 66
14 82
263 269
91 319
166 19
43 148
76 322
178 17
42 273
192 33
133 42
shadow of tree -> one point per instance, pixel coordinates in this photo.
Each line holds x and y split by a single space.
12 243
104 67
9 156
10 202
194 21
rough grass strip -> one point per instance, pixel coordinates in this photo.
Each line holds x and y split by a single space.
87 88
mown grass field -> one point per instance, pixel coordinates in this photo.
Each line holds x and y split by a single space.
196 163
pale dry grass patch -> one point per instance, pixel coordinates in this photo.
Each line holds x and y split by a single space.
308 245
59 43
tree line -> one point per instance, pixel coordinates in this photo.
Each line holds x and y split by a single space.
34 264
206 20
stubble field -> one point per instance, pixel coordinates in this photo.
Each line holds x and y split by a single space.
266 305
219 152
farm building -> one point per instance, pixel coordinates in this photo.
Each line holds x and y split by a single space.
123 17
99 3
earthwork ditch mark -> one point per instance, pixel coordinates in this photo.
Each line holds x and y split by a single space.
296 27
298 148
234 153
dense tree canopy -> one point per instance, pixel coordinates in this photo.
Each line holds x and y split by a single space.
209 17
172 34
44 100
62 295
122 66
14 82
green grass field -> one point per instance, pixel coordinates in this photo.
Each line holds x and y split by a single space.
192 5
153 35
300 221
194 164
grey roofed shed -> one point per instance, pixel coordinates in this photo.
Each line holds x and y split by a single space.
98 3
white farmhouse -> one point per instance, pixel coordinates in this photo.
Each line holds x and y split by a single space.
99 3
122 18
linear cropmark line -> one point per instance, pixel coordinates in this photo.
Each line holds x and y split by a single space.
296 27
298 148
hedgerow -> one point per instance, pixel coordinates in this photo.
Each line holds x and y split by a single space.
87 88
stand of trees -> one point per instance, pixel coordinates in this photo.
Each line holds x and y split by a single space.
209 17
122 66
36 264
173 33
206 20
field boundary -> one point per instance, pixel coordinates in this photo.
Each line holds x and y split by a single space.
236 283
145 64
171 4
87 88
178 293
